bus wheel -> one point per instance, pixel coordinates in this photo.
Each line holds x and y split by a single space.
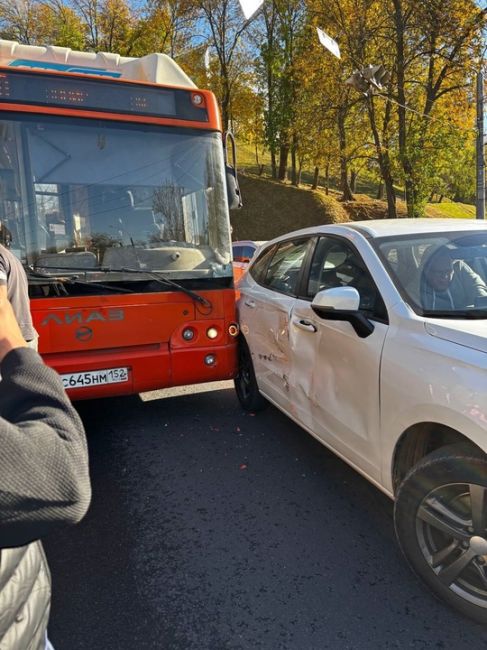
440 517
246 383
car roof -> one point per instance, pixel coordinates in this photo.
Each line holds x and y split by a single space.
390 227
248 242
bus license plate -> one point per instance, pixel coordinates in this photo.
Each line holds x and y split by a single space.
95 378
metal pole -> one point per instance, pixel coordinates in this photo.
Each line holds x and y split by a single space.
480 203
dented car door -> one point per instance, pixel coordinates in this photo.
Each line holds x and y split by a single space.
264 311
335 374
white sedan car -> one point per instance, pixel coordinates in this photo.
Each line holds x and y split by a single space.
373 337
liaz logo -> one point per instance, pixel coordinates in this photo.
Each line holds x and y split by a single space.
80 318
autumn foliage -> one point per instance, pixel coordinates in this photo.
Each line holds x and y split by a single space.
285 95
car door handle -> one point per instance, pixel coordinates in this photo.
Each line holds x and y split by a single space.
305 325
249 303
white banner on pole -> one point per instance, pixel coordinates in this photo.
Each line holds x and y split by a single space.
329 43
250 7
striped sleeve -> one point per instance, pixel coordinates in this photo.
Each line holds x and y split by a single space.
3 271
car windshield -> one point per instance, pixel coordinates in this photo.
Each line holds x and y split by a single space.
439 274
78 193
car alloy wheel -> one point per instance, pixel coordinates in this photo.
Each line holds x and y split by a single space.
441 524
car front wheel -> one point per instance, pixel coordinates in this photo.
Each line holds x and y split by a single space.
440 517
246 383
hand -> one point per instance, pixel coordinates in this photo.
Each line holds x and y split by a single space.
10 334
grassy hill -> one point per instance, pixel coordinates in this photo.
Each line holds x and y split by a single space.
272 208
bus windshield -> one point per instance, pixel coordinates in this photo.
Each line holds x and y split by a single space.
91 194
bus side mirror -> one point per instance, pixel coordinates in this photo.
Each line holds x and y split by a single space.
233 189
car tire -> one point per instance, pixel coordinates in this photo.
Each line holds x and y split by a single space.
245 381
440 516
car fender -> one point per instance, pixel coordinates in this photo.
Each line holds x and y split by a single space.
424 379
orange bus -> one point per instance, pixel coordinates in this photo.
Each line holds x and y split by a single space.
114 192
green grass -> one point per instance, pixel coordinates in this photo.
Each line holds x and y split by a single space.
450 210
446 209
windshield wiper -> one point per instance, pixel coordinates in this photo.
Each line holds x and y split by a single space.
472 314
75 280
157 276
163 279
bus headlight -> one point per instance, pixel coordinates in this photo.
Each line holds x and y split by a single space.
212 332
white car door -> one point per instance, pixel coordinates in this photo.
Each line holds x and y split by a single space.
335 373
266 301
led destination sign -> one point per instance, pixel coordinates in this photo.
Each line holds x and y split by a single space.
21 87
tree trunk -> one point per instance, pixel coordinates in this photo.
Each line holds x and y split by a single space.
345 187
384 162
316 178
273 163
400 28
283 155
409 189
327 179
380 191
294 170
353 180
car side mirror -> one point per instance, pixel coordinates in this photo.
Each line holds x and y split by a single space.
342 304
233 189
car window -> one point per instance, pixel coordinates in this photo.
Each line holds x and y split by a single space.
248 251
285 267
439 272
258 269
336 264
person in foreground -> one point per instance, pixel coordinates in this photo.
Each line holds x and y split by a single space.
44 482
14 287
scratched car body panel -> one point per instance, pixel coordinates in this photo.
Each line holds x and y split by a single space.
373 337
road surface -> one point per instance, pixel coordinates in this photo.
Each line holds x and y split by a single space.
214 529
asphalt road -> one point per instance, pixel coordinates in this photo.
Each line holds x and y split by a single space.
214 529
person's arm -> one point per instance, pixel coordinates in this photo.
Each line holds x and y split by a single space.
3 278
472 283
44 478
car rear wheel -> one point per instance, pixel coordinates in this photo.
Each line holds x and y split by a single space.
246 383
440 517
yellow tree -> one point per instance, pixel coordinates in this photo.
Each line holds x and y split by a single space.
41 23
436 43
223 22
19 21
326 76
115 27
166 26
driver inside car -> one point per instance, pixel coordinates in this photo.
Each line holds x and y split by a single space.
449 284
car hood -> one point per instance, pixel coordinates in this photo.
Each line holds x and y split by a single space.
470 334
